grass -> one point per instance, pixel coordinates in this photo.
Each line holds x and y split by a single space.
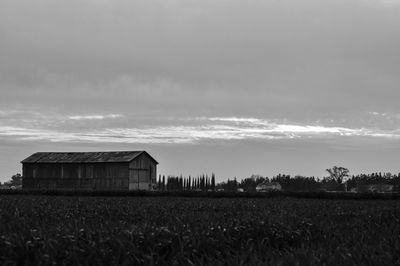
40 229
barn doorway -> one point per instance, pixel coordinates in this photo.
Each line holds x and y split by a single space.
138 179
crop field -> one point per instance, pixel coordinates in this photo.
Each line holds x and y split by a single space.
192 231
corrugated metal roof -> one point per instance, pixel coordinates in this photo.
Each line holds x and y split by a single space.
83 157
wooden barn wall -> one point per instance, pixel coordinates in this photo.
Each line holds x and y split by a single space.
142 173
98 176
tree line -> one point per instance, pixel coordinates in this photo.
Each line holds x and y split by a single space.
338 179
174 183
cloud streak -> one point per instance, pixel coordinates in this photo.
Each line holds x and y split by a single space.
94 117
207 129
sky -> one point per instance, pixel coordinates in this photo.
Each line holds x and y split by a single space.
228 87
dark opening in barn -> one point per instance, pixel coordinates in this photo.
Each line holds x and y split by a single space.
126 170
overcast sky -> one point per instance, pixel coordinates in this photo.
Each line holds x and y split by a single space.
226 86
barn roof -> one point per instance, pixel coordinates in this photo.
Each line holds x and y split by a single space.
84 157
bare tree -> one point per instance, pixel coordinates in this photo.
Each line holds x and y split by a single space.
337 174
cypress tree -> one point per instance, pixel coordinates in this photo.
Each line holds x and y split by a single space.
213 182
163 183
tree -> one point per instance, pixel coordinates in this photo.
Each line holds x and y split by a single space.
248 184
337 174
202 183
16 180
159 184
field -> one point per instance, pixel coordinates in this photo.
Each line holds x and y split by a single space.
177 230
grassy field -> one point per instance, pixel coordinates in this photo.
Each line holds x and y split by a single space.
176 230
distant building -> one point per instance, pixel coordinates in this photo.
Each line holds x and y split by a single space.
268 186
127 170
382 188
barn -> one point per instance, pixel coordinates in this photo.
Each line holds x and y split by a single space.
125 170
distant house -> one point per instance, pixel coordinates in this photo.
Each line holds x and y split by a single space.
381 188
268 186
126 170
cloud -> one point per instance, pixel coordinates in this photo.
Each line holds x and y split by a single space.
94 117
207 129
275 127
381 114
234 119
7 113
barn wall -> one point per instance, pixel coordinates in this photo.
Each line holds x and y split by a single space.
142 173
98 176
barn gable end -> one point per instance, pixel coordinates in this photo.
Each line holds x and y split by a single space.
142 170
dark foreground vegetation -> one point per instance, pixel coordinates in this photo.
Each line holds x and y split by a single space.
209 194
39 229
